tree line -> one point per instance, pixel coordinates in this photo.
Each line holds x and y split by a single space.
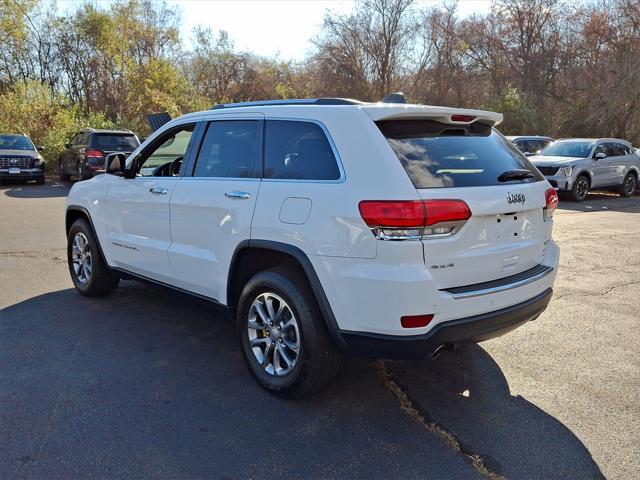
553 67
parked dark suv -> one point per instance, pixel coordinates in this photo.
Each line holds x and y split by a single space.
20 159
84 155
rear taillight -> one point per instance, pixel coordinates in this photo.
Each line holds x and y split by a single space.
551 197
414 219
93 156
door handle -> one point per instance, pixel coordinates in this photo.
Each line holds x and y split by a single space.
158 191
238 195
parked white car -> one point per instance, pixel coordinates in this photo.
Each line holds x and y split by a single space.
327 226
577 165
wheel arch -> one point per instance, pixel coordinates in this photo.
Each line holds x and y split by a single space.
587 174
252 256
75 212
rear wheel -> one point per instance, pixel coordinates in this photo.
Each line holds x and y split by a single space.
90 275
629 185
580 188
284 339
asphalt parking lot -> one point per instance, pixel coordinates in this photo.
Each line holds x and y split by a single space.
150 383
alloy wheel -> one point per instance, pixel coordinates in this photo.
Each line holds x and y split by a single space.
630 185
582 188
81 258
273 334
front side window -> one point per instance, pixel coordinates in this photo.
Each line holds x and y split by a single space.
165 155
229 150
80 139
437 155
298 150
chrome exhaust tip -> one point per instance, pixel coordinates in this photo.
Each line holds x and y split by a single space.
445 347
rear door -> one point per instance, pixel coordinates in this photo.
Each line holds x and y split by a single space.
507 232
620 162
71 156
212 207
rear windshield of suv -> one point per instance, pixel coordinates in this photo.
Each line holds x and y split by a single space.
437 155
115 142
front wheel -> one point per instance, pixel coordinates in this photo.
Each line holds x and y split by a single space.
284 339
629 185
90 275
580 189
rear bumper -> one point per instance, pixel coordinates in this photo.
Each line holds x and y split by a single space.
464 330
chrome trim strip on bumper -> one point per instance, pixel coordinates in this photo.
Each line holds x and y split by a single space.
536 273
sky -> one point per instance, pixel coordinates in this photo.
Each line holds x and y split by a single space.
270 27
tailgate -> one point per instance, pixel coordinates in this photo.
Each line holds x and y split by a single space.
500 239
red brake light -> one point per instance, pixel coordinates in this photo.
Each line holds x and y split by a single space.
551 198
414 219
446 211
393 214
462 118
93 153
415 321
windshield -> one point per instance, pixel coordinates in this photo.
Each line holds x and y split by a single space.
15 142
118 143
437 155
568 149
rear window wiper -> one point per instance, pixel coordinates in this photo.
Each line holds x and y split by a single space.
518 174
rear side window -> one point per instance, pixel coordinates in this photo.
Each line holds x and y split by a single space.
114 143
298 150
229 150
437 155
618 149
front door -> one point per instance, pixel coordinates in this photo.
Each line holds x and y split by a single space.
212 207
138 230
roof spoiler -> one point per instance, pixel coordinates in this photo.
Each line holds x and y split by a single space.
156 120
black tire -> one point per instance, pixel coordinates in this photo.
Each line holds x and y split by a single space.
318 360
101 281
580 188
40 181
63 176
629 185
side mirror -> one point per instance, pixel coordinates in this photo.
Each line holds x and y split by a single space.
40 148
67 145
114 163
599 156
529 154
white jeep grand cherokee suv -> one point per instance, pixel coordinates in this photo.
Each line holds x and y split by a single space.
327 226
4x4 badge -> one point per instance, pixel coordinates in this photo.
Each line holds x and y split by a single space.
515 198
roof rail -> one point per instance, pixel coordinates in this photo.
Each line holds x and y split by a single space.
293 101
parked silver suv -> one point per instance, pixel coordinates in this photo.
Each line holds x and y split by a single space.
578 165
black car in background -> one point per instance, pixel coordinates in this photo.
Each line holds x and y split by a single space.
20 159
84 156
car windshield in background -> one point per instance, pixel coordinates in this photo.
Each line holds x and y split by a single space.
437 155
118 143
568 149
15 142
